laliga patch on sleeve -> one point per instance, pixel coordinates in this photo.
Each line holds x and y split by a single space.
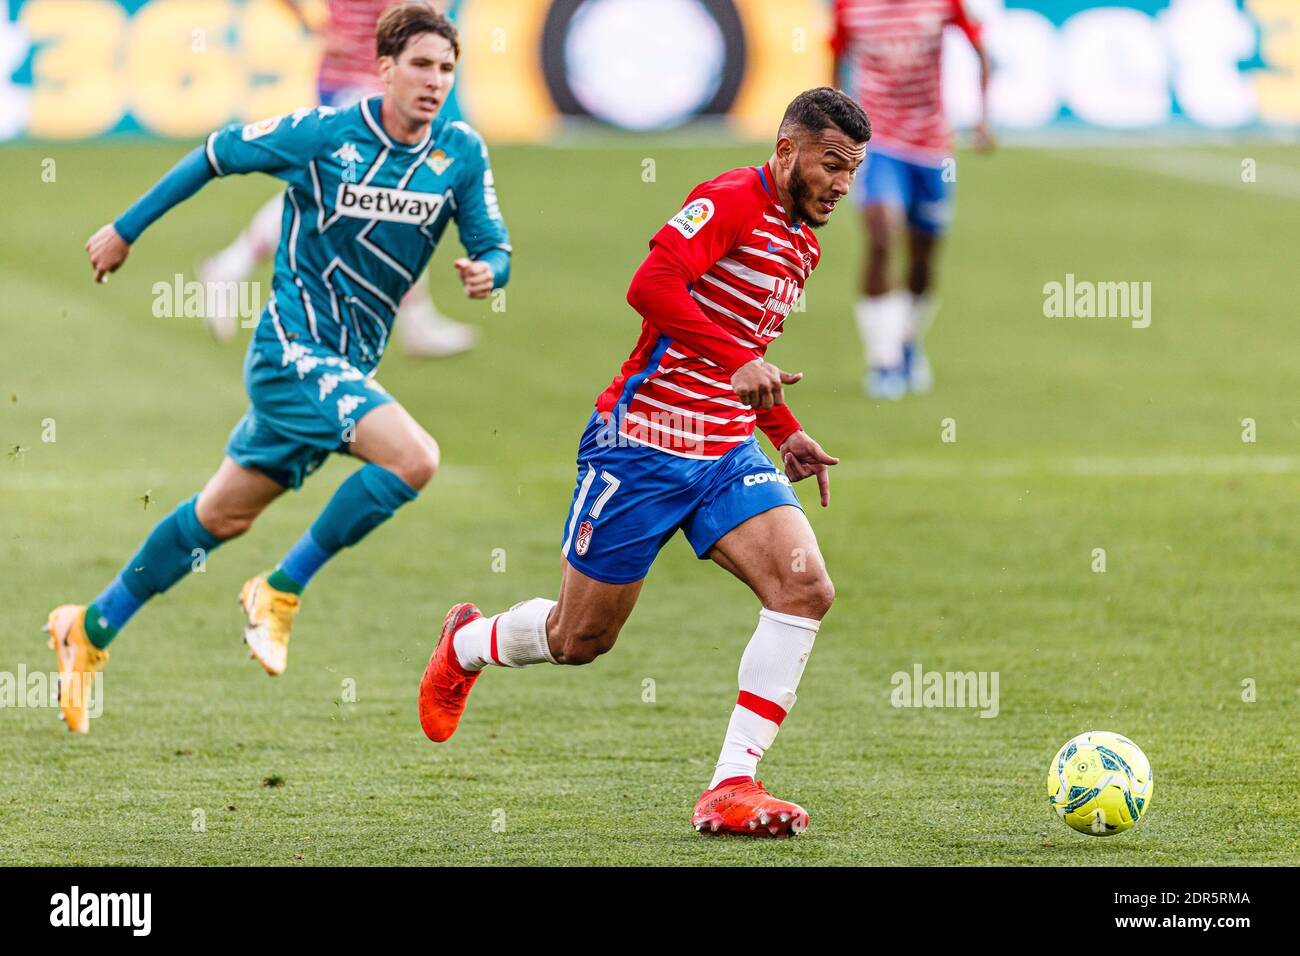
261 127
693 218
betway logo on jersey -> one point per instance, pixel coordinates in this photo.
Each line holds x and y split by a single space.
391 205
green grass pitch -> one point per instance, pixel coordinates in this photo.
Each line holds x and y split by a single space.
973 555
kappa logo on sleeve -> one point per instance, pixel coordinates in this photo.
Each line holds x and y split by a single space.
693 218
261 128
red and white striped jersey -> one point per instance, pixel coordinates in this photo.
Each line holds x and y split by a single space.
893 49
752 261
349 60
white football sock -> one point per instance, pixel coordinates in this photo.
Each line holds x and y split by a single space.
882 323
520 638
770 670
920 316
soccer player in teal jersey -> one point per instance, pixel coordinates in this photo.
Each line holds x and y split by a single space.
370 190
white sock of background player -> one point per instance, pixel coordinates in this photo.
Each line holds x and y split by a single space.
882 323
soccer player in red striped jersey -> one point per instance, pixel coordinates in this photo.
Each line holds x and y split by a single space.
670 445
893 51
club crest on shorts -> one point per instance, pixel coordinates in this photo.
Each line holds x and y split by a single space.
584 537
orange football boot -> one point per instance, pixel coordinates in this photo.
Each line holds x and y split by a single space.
743 806
445 686
79 662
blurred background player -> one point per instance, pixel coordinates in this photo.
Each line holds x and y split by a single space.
670 445
350 254
892 50
347 73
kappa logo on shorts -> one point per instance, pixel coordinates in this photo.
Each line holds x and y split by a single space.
584 537
763 477
348 404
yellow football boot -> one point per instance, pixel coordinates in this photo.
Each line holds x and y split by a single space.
270 618
79 662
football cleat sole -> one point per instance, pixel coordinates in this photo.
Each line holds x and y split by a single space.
762 824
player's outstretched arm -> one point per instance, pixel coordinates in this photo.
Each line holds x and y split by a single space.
281 146
803 457
109 247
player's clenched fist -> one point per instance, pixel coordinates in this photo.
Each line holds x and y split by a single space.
107 251
476 277
761 384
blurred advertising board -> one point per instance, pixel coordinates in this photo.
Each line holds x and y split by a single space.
79 69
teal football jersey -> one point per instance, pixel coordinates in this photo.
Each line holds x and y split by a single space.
362 215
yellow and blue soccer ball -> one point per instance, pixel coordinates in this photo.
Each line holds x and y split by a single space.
1100 783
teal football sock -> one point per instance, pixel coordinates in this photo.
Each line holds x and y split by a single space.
364 501
175 546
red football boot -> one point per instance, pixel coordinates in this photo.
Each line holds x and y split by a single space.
445 686
743 806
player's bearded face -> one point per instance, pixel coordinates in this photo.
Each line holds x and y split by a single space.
419 80
821 174
801 193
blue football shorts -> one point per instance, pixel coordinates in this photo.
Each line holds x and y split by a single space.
301 412
630 499
916 189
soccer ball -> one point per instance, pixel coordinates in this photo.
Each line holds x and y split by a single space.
1100 783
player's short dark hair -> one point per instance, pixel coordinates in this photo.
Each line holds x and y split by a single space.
402 22
815 110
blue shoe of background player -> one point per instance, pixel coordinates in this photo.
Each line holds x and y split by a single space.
886 384
916 368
